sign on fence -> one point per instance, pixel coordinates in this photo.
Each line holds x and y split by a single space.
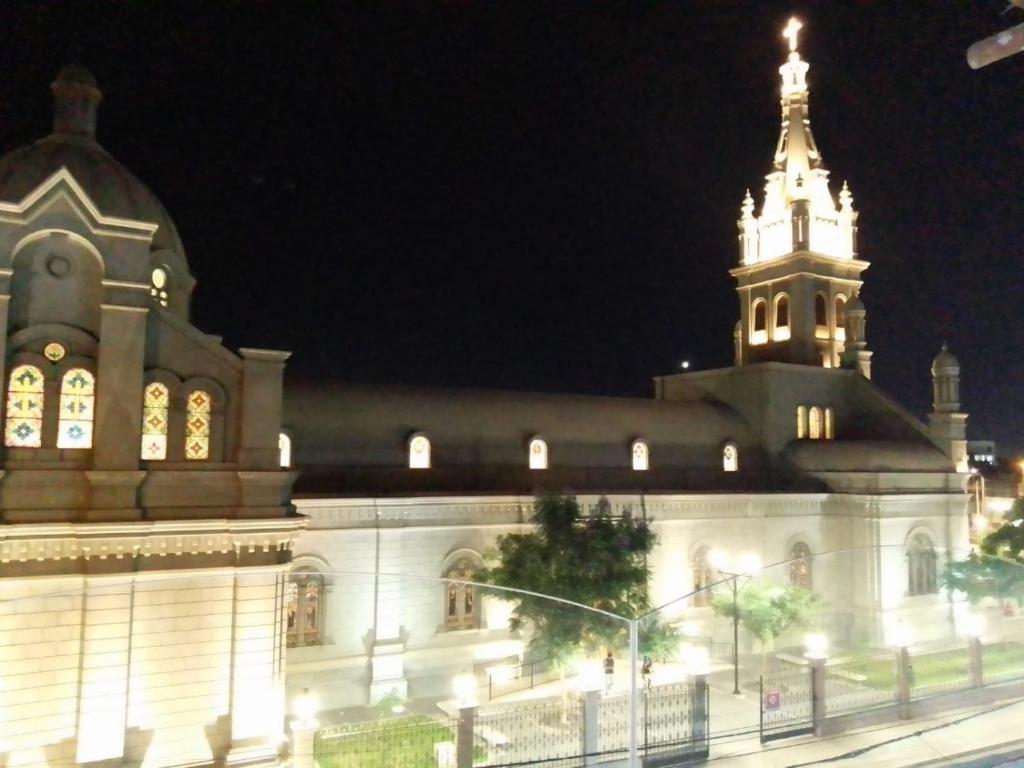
772 699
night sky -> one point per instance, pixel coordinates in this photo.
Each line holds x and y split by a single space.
543 195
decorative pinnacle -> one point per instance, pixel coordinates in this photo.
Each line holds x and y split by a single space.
748 205
845 197
792 32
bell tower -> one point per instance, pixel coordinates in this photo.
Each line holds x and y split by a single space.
798 256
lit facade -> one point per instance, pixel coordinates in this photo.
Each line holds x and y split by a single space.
791 453
145 517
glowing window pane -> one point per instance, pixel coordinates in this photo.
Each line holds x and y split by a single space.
158 287
641 456
291 601
730 458
814 424
419 452
77 398
829 428
284 447
197 426
801 422
24 424
155 404
538 454
311 612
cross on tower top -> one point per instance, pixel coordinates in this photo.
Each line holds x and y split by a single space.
791 32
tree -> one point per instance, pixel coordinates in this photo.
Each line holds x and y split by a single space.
998 570
766 609
592 559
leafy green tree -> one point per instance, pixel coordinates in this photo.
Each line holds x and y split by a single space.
998 570
593 559
767 609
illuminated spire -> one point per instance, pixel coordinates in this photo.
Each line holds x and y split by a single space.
796 153
798 178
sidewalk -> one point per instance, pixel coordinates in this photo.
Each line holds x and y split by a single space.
956 738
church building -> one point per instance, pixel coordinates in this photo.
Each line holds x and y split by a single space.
791 453
146 527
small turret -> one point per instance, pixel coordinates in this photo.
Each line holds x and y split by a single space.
76 100
856 354
946 423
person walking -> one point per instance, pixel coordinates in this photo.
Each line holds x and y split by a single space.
645 672
609 672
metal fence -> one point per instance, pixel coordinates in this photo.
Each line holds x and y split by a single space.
521 677
1003 661
549 733
406 742
859 683
785 699
940 668
669 724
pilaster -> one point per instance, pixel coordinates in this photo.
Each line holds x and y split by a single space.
262 386
119 387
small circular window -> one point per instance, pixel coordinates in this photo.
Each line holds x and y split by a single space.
158 286
54 352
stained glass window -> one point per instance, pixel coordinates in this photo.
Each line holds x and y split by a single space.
311 613
24 425
158 286
460 598
703 577
921 566
303 611
155 406
800 565
291 603
197 426
77 398
54 352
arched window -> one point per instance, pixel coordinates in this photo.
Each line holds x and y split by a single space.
284 450
759 323
921 562
419 452
820 311
840 313
730 457
781 317
159 286
303 607
703 577
538 453
155 405
24 425
800 565
641 456
77 398
460 605
829 425
197 425
801 422
814 423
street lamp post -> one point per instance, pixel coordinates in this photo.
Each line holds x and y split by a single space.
974 527
749 563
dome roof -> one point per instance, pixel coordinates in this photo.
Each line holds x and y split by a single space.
72 145
945 362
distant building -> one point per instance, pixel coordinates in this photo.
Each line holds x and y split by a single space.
981 452
791 453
